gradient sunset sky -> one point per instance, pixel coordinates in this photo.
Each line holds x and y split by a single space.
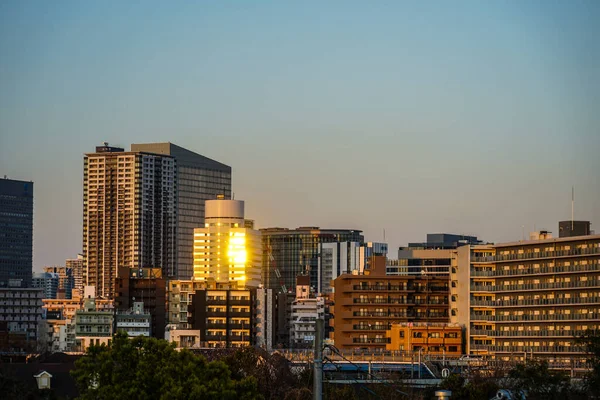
471 117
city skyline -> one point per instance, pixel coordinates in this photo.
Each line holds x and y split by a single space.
465 119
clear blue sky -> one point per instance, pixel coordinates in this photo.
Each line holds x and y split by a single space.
471 117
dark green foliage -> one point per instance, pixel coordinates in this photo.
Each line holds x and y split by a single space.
477 387
538 381
148 368
272 373
591 341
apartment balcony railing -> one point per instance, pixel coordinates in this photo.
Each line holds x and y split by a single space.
535 318
537 271
528 349
540 254
382 314
541 333
371 327
380 288
381 301
535 286
536 302
371 340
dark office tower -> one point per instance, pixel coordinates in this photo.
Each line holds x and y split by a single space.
288 253
574 228
198 179
129 215
16 232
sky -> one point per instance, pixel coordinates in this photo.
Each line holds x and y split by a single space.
466 117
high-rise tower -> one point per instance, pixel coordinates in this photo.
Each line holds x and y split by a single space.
198 179
129 215
228 249
16 232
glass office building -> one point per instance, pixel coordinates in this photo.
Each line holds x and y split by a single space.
16 232
288 253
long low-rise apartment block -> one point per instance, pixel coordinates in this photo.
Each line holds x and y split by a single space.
528 299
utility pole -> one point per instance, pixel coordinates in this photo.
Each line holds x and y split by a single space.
318 361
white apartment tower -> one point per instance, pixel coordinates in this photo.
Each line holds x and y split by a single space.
129 215
228 249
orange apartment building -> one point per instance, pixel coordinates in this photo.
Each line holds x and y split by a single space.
432 338
366 306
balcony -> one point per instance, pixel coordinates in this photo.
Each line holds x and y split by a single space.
381 288
535 318
540 333
535 349
538 255
371 327
538 271
536 302
535 286
371 340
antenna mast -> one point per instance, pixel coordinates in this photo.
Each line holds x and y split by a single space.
572 206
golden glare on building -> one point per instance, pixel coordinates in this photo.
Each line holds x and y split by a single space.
227 249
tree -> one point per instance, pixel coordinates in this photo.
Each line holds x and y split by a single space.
272 372
591 342
148 368
538 381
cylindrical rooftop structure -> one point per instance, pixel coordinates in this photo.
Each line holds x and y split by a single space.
224 209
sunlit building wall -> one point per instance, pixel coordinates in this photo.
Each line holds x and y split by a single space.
228 248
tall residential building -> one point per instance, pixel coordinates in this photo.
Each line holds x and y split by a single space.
224 317
129 215
66 280
76 267
288 253
198 179
367 305
16 232
528 298
47 281
227 250
335 259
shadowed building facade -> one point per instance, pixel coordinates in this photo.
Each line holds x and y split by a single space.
198 179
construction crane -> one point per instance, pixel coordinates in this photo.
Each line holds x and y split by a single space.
275 269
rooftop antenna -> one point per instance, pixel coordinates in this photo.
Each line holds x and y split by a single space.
572 206
384 236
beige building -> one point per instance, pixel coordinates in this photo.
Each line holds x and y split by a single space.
228 249
528 298
128 215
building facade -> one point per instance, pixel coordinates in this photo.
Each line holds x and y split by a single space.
135 322
16 232
227 250
145 285
92 326
198 179
21 311
46 281
76 266
430 338
305 311
66 280
265 319
224 317
367 305
129 215
288 253
528 298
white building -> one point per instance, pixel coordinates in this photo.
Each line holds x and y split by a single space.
335 259
305 311
135 322
228 248
264 319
